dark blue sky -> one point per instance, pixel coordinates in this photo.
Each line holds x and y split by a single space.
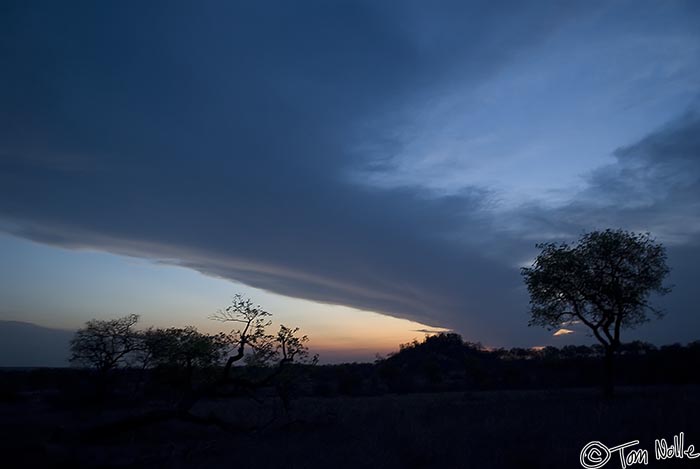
395 157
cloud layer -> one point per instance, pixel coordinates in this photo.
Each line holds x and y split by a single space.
228 139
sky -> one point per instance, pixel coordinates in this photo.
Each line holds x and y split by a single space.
364 170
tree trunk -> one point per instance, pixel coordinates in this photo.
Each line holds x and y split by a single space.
609 372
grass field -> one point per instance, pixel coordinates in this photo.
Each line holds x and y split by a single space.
499 429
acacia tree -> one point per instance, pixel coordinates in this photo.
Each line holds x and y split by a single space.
106 344
253 343
602 281
251 334
289 347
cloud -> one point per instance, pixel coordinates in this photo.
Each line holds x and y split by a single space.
222 145
656 179
227 140
563 331
431 331
653 186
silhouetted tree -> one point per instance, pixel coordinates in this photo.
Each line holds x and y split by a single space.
251 334
289 347
603 281
249 339
252 342
106 344
183 348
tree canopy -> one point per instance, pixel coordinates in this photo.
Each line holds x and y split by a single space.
603 281
105 345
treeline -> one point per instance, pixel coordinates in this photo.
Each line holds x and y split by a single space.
444 362
177 367
105 346
173 360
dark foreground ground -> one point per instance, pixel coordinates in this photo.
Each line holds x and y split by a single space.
497 429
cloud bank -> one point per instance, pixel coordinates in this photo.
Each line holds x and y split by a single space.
229 139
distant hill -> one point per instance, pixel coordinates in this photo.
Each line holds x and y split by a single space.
24 344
